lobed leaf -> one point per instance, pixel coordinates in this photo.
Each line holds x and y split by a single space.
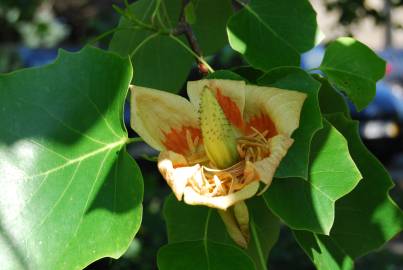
70 192
309 204
365 219
354 69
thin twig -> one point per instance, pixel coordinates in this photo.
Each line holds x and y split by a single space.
141 44
184 28
199 59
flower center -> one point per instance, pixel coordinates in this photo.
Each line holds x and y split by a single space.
218 135
219 182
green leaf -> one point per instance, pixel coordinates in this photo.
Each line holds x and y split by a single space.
354 69
309 204
323 252
264 231
202 255
195 223
159 61
271 34
162 64
189 223
330 100
197 230
366 218
295 163
190 14
211 23
70 193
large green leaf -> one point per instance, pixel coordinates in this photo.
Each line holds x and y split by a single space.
366 218
295 163
309 204
210 24
353 68
159 61
195 223
70 193
273 33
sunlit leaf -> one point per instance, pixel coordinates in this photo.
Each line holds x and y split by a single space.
365 219
273 33
70 194
309 204
354 69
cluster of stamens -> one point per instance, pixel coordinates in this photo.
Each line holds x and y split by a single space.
220 182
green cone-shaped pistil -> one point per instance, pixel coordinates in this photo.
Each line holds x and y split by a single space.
218 136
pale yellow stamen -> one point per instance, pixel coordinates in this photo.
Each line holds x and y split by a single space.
216 182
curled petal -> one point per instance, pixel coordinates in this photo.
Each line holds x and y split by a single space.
274 110
174 170
229 94
221 202
165 121
266 167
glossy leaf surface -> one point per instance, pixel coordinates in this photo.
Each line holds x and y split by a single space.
354 69
271 34
70 192
309 204
365 219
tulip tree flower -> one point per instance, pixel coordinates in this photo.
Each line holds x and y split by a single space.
218 148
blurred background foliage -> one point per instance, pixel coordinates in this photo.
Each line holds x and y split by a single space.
32 30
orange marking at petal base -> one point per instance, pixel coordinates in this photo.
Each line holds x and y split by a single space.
261 122
175 139
230 109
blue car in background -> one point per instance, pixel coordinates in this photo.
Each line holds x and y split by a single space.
381 123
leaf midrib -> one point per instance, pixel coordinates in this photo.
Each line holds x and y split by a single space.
70 162
268 27
324 68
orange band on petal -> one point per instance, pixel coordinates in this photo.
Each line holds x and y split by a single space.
176 140
262 123
230 109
